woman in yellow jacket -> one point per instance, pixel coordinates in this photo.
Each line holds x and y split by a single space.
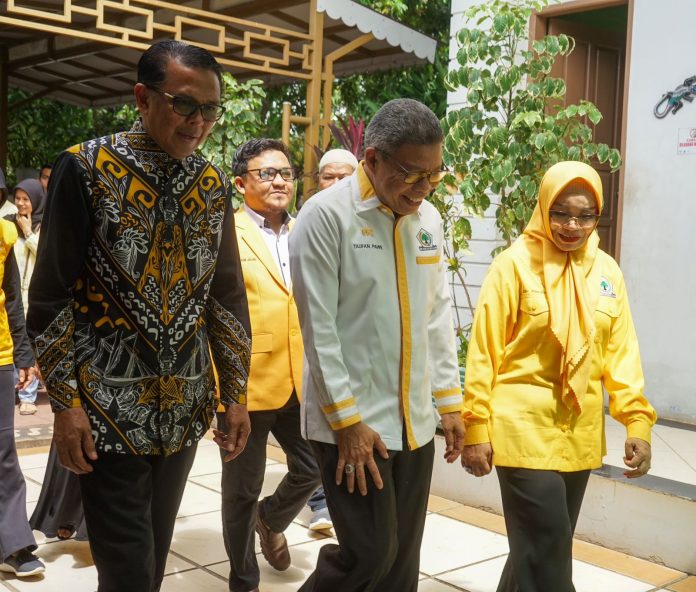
552 328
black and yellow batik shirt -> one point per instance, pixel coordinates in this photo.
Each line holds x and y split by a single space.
137 282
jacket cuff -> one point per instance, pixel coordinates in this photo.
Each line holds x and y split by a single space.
228 399
449 400
342 414
476 433
639 429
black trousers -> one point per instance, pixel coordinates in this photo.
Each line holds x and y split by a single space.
242 480
541 510
380 534
130 505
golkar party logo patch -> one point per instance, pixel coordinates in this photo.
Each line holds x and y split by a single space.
606 289
426 241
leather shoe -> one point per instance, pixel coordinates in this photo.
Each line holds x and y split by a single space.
273 544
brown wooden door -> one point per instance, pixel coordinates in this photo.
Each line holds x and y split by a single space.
594 71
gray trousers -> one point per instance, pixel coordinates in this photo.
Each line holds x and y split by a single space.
541 510
15 533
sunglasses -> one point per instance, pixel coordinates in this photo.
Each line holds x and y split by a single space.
413 177
186 106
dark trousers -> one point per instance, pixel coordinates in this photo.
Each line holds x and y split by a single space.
379 534
130 505
541 510
15 533
242 480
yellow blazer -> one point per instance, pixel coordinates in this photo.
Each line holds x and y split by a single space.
276 342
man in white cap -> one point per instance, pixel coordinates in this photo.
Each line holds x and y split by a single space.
335 165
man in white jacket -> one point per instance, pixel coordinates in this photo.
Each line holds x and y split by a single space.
373 298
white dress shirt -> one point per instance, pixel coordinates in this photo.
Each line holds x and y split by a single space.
277 243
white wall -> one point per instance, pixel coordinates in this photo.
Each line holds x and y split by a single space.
658 241
484 235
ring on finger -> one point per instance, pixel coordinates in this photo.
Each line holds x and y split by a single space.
349 469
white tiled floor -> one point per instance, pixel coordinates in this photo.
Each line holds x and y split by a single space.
456 556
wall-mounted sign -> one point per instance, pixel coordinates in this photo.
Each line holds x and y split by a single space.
687 140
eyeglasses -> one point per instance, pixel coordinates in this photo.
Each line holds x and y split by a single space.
269 173
413 177
186 106
564 218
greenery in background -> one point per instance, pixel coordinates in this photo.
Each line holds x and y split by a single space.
361 95
39 130
512 126
241 121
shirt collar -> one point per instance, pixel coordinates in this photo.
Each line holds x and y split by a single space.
367 194
139 139
261 222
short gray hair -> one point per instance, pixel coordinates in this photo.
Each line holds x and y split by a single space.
403 121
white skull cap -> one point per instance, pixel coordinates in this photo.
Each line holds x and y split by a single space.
338 156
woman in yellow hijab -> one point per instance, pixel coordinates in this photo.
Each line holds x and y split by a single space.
552 329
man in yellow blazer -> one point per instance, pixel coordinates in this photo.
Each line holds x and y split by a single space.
264 177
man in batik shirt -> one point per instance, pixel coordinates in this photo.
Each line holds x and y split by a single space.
137 283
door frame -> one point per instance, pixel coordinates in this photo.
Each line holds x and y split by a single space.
537 24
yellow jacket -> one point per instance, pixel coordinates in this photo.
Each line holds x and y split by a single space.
8 237
276 340
512 393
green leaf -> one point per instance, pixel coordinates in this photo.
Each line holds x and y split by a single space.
602 152
594 114
550 143
615 159
552 45
574 153
499 23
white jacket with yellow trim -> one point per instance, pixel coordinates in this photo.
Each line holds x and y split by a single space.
375 312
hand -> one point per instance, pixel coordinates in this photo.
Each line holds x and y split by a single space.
25 377
638 455
454 429
355 445
477 459
238 430
24 223
72 434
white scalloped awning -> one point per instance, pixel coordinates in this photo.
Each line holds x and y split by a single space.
47 57
382 27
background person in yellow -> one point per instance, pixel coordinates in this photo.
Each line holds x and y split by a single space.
371 285
552 327
16 539
264 177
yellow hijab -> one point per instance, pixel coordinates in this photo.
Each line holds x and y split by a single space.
572 290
